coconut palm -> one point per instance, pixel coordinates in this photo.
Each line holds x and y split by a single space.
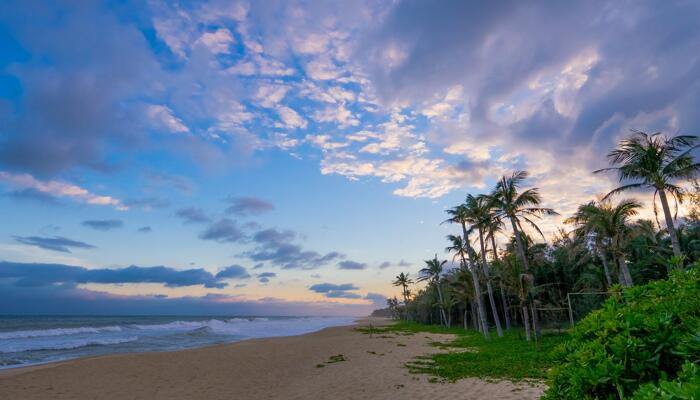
433 273
462 287
479 214
403 280
657 162
516 206
461 249
610 226
494 225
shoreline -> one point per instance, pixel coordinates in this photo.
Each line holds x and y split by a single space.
332 363
7 370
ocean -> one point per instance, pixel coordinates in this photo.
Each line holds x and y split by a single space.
41 339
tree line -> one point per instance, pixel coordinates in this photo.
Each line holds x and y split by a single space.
601 245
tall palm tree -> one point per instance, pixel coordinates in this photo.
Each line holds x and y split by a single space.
509 202
403 280
657 162
479 214
494 225
461 249
610 226
433 273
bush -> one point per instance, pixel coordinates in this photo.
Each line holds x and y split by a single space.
647 336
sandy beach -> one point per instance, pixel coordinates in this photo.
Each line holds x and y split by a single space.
295 367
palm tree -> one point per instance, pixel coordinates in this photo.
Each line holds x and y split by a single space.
610 226
516 206
432 273
460 246
494 224
657 162
403 280
479 214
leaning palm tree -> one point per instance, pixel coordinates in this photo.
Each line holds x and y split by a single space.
512 204
433 273
494 225
403 280
657 162
461 250
479 213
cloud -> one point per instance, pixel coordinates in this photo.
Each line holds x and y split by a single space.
351 265
34 195
192 215
290 118
233 272
163 116
147 203
72 106
32 275
56 243
247 206
266 276
104 225
276 247
145 229
378 300
34 187
388 264
329 287
223 230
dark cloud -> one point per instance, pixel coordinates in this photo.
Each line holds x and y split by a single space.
147 203
378 300
74 99
56 243
103 224
50 274
352 265
389 264
145 229
233 272
275 246
578 84
328 287
265 276
68 299
224 231
247 206
34 195
339 294
192 215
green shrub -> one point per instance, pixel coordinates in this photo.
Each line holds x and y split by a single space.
645 335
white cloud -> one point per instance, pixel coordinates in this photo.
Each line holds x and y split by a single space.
339 114
290 118
217 42
323 68
60 189
163 115
268 95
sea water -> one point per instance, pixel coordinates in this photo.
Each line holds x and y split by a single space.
40 339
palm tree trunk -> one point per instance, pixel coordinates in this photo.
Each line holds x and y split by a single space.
442 310
669 224
604 259
477 287
505 307
475 324
526 268
624 270
464 317
506 314
526 321
489 289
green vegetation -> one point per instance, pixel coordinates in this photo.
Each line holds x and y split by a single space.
471 355
648 334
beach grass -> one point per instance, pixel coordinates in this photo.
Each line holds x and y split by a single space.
471 355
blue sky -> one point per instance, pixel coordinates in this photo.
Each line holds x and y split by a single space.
292 157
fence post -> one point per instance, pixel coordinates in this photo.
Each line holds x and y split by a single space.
571 313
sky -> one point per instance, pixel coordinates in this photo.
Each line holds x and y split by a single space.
292 157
